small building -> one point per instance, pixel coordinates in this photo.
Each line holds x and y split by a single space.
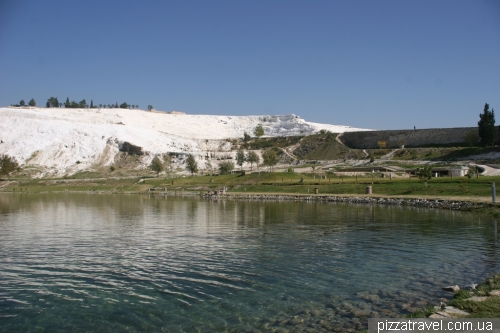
449 171
455 171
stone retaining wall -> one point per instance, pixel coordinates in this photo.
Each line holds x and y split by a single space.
442 204
396 138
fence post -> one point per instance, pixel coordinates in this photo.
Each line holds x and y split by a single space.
493 193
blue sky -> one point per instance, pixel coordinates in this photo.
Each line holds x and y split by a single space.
372 64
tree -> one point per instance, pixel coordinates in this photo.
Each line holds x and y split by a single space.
209 167
150 107
91 104
487 131
246 137
425 172
269 158
191 165
240 158
82 104
471 138
116 105
22 102
67 105
52 102
252 158
258 131
167 162
226 167
7 165
124 105
156 165
32 102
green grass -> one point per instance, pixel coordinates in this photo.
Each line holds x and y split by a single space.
282 182
489 308
441 153
424 313
274 142
325 147
486 309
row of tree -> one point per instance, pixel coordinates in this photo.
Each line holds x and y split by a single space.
53 102
23 103
269 159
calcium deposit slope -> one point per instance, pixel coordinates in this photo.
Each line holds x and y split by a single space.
68 140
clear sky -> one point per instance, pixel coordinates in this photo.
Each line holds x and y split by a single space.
372 64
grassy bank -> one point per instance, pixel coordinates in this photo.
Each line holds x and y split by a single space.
457 188
467 300
293 183
286 183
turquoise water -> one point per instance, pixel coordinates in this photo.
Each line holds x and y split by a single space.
104 263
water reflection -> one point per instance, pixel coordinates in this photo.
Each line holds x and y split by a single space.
79 262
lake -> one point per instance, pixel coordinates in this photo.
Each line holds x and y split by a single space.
133 263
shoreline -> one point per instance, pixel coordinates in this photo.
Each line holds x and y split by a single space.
444 202
379 200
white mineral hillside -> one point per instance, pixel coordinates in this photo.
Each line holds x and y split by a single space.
63 141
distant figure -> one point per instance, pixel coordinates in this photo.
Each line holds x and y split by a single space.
414 128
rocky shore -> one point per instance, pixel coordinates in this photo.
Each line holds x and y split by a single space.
427 203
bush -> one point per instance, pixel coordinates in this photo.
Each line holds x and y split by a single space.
258 131
425 172
156 165
226 167
111 168
462 294
7 165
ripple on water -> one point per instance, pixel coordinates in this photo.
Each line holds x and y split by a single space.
131 263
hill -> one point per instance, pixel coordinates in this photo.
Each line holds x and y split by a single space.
57 141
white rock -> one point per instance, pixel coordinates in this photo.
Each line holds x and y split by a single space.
454 288
495 293
453 311
58 138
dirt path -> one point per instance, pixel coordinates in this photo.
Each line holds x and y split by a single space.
338 139
389 155
7 183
